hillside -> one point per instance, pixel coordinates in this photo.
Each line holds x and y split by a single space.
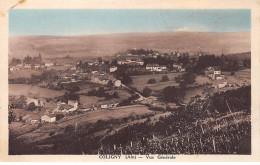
219 124
108 45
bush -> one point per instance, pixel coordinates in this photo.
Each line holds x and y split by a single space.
31 106
151 81
172 94
147 92
189 78
127 80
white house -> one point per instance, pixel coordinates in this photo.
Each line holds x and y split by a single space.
113 69
217 71
49 64
13 68
155 67
140 62
37 66
27 66
31 100
48 118
73 103
73 68
108 104
215 74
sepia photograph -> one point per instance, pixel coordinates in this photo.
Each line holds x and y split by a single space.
129 82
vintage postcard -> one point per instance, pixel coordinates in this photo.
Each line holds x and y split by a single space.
140 83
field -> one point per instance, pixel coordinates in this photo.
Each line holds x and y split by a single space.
30 133
140 82
33 91
88 101
23 73
108 45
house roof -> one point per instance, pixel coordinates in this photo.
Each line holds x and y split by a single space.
26 116
65 106
50 104
50 115
74 101
152 65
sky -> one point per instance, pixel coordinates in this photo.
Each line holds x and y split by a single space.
28 22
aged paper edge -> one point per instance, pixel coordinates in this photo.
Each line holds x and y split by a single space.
254 5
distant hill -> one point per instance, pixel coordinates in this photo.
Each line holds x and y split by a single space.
108 45
240 56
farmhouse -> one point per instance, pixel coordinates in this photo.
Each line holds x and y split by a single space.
48 118
215 74
108 104
66 108
37 102
155 67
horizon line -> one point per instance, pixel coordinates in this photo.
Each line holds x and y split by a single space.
187 31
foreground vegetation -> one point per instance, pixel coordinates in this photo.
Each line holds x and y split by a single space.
219 124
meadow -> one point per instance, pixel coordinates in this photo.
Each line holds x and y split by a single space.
33 91
140 82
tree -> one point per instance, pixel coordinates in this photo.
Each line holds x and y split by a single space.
127 79
15 62
101 92
172 94
165 78
31 106
106 62
115 95
11 117
189 78
114 62
151 81
110 83
21 102
147 92
99 60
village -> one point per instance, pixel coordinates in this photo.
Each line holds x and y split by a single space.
112 82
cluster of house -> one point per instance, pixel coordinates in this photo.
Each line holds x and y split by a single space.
49 110
130 59
30 66
215 73
178 68
105 104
